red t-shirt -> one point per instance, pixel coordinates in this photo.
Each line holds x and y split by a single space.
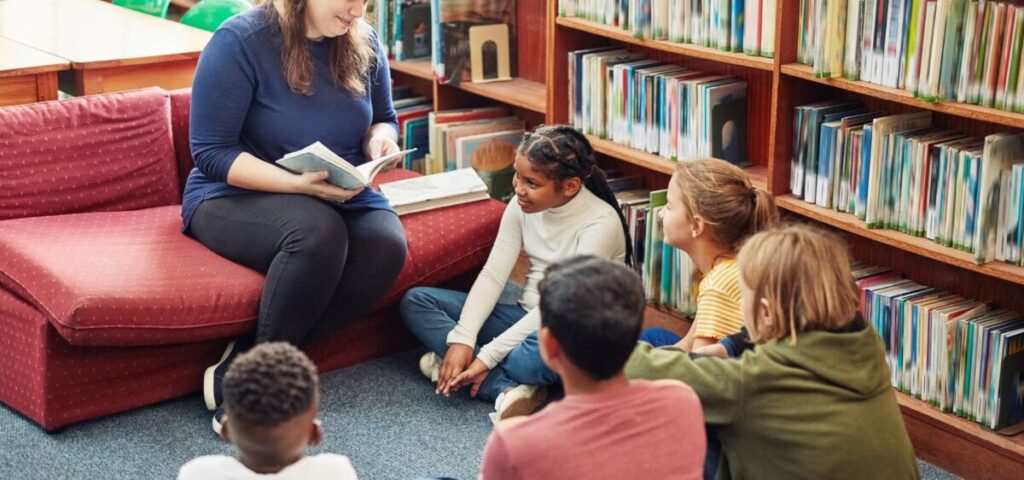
648 430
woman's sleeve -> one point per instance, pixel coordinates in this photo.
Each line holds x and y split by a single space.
483 296
221 94
380 89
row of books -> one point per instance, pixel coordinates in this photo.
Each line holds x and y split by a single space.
403 28
441 30
657 107
666 271
902 173
484 139
963 356
746 26
940 50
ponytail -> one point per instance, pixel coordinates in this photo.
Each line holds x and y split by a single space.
561 153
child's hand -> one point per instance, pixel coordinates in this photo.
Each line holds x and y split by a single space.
455 361
715 349
474 375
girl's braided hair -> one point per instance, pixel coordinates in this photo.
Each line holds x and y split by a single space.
561 152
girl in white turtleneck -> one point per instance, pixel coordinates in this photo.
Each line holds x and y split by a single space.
563 207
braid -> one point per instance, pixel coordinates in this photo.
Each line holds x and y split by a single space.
561 152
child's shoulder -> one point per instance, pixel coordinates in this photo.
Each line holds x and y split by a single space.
666 388
210 466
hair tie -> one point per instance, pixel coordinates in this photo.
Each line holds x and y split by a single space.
752 192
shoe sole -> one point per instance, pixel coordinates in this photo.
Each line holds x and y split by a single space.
218 427
524 406
208 378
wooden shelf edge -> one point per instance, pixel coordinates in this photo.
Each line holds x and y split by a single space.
973 112
758 174
415 68
1011 447
519 91
704 53
917 245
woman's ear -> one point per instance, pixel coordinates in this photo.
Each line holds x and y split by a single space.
698 226
316 435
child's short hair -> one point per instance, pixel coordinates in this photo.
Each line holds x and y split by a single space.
804 274
595 308
269 385
722 194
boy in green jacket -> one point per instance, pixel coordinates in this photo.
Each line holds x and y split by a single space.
813 400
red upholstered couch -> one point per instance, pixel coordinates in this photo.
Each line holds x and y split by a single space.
105 305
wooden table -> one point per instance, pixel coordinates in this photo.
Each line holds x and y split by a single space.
27 75
110 48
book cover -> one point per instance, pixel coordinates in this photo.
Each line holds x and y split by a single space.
1002 151
492 156
453 19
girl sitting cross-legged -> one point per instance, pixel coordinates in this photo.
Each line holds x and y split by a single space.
563 207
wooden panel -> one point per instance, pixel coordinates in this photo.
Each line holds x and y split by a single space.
18 90
922 247
959 446
711 54
530 27
169 76
46 86
968 112
414 68
519 91
17 59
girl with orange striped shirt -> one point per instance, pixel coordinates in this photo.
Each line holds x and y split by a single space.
712 208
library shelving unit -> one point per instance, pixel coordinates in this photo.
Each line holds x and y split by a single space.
775 86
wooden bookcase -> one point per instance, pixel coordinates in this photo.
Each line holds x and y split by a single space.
775 86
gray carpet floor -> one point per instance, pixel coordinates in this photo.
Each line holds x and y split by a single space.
382 414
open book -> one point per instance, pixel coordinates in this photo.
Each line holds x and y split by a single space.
318 158
434 191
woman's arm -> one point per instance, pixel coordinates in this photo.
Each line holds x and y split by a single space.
382 136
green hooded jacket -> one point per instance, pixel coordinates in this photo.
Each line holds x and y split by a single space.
822 408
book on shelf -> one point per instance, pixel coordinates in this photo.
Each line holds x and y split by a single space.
431 192
412 28
491 155
899 172
741 26
962 356
437 125
966 51
452 20
656 107
318 158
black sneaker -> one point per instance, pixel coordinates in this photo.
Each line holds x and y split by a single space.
215 373
218 421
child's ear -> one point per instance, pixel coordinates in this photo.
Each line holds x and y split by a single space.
550 350
765 313
316 435
572 186
225 430
698 226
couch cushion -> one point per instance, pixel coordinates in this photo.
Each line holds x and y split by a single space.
126 278
96 153
131 278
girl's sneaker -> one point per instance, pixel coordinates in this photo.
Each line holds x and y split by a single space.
430 366
521 400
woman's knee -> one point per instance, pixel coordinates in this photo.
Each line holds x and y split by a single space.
324 236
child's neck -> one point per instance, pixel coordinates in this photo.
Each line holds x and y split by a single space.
706 255
266 467
579 383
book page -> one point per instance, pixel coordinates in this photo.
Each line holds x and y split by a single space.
370 169
430 187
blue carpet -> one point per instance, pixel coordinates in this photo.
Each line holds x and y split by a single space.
382 414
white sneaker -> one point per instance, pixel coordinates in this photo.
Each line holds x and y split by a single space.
521 400
430 366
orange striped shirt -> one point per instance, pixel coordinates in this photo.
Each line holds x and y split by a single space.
718 302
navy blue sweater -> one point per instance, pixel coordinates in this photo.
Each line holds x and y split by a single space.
241 102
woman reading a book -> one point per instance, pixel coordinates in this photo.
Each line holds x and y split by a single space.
271 81
563 207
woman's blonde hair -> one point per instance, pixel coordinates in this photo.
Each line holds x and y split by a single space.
804 275
351 54
723 196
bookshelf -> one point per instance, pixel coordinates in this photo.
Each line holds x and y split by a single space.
775 87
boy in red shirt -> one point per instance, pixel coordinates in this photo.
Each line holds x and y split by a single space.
606 427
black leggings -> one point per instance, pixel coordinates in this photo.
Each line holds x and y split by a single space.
324 265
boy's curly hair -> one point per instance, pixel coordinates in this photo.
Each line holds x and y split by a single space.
270 384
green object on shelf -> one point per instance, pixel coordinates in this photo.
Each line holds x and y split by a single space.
156 8
209 14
